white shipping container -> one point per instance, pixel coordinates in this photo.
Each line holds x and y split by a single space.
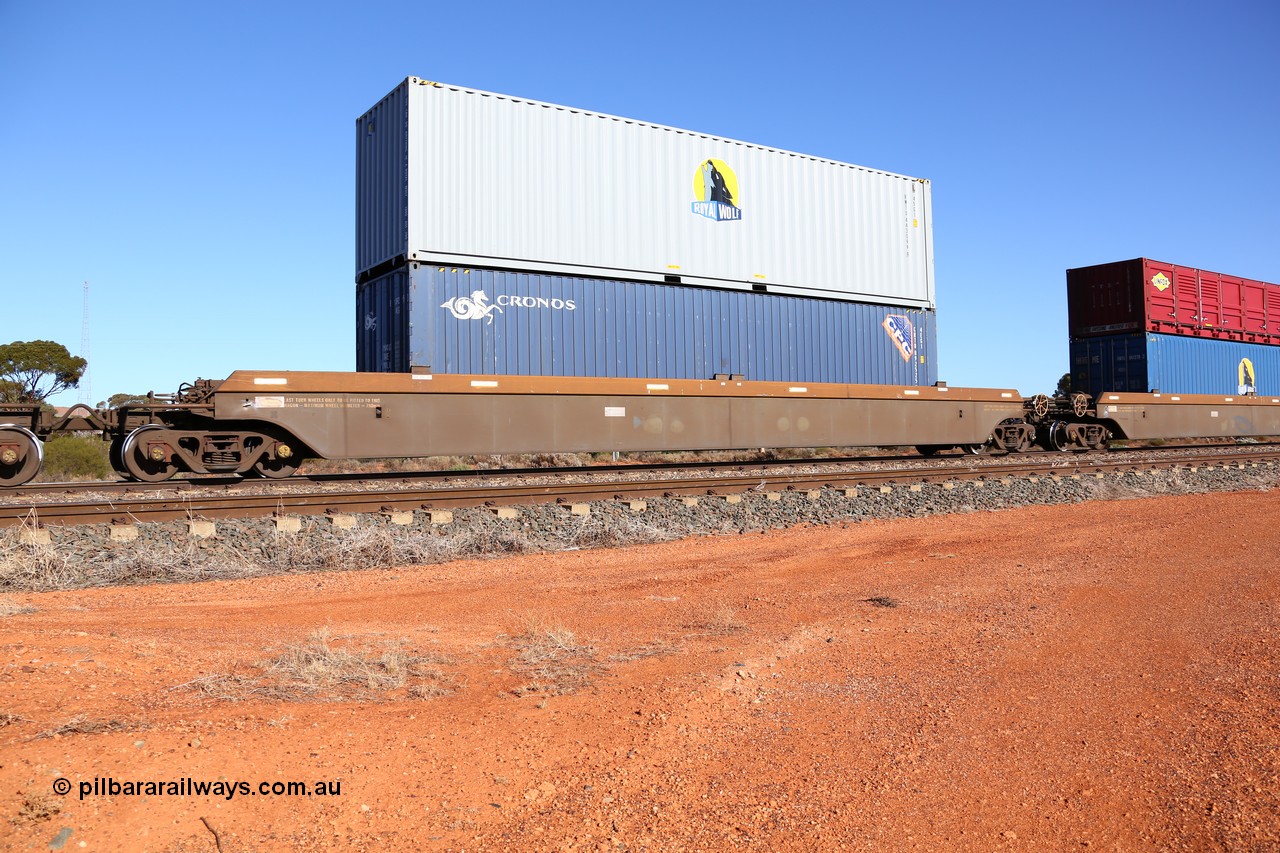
447 175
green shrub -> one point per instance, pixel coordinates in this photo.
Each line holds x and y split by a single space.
76 457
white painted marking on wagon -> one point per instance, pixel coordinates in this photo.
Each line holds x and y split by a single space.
1213 414
268 402
615 411
422 376
658 387
270 380
1175 399
798 390
483 383
911 391
1005 394
1230 400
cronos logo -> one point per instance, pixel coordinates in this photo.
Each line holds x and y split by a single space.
478 307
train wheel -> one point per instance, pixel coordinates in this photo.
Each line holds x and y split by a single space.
20 456
138 465
1057 438
275 469
114 457
972 449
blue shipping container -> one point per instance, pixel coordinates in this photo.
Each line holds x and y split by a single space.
1174 364
456 320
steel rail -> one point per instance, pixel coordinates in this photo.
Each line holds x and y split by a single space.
214 481
133 508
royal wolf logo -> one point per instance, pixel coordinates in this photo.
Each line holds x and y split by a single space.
474 307
715 191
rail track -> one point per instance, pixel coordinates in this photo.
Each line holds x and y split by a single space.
210 498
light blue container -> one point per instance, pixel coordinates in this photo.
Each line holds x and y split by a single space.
1174 364
457 320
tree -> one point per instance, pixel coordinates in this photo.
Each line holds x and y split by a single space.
115 401
30 371
1064 386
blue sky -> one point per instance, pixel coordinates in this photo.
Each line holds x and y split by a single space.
195 162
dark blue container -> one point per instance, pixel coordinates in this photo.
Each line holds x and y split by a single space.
457 320
1174 364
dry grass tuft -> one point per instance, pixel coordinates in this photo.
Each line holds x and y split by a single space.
717 619
37 808
9 607
320 670
654 649
549 653
82 725
8 719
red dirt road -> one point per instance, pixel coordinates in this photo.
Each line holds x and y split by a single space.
1103 675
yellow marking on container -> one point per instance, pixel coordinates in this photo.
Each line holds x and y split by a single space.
673 266
758 275
270 380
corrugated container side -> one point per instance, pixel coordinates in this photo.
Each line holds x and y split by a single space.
382 324
508 183
1174 364
1147 295
382 138
466 320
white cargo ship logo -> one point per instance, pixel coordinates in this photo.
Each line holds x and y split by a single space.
473 307
715 187
478 307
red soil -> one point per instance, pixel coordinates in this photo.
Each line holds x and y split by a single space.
1098 675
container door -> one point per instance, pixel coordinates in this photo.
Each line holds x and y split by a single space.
1271 311
1210 299
1232 304
1158 292
1186 296
1253 306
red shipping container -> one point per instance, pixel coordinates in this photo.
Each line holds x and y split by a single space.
1143 295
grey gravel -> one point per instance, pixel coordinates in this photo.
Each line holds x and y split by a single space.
85 556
